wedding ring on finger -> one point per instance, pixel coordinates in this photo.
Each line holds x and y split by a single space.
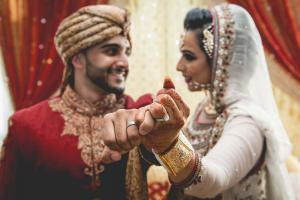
130 123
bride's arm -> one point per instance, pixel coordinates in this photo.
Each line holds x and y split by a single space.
230 160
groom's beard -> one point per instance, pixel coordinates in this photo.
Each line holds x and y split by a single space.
100 77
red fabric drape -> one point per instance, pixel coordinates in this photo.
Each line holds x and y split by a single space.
279 24
27 28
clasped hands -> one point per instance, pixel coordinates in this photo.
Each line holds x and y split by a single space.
155 126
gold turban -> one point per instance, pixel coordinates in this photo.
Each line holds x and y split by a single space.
89 26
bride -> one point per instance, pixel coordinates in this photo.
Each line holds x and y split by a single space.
238 140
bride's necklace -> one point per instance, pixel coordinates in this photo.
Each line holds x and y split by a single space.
210 111
204 135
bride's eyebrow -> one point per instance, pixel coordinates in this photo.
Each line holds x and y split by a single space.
187 51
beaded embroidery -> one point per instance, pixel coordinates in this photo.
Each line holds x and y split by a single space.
224 42
254 186
85 121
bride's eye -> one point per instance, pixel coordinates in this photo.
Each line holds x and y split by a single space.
188 56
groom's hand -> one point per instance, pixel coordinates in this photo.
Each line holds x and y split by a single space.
119 130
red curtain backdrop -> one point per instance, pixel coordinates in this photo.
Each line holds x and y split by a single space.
27 28
279 24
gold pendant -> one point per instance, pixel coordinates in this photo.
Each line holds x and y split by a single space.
210 111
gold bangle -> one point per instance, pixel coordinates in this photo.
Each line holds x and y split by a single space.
178 157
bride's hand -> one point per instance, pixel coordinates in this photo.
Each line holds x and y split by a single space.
162 121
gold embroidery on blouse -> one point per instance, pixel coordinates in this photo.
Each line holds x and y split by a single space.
85 121
253 187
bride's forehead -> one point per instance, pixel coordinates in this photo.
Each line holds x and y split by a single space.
188 38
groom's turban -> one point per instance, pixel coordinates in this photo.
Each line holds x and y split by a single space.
89 26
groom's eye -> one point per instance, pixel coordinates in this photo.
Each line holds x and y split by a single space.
111 51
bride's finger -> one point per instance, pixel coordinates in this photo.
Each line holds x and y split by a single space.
148 124
173 111
182 106
158 112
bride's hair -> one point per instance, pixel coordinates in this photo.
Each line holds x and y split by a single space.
197 20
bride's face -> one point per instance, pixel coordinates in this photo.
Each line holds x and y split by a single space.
193 63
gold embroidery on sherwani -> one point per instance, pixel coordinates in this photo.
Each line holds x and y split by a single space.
85 121
135 181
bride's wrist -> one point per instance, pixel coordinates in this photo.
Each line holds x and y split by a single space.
163 149
177 156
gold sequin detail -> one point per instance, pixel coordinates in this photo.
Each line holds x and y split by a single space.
85 121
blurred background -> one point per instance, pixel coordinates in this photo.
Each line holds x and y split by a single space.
31 70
